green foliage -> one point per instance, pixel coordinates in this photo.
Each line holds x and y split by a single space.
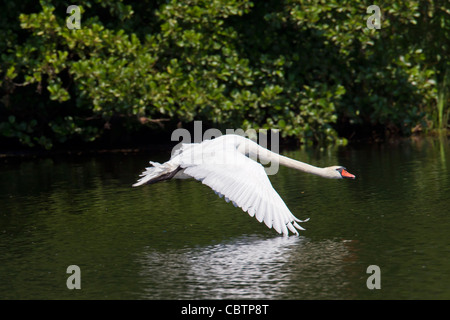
311 69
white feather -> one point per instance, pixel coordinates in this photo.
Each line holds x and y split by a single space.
222 165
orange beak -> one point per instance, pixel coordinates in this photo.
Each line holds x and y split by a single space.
346 174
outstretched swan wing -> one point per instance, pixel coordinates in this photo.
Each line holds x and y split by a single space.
244 182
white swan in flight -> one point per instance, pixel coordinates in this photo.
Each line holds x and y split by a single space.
225 165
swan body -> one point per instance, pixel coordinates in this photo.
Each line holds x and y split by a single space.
226 165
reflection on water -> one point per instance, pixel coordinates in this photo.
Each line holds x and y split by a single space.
247 268
178 240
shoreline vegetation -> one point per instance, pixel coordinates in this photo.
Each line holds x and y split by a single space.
167 145
131 72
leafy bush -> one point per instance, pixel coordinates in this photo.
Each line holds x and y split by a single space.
311 69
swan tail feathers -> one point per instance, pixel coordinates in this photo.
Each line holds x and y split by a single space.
158 172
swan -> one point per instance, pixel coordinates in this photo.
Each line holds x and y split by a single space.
226 165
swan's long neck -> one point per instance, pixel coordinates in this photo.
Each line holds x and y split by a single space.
269 156
298 165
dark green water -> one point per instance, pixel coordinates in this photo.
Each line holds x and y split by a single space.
178 240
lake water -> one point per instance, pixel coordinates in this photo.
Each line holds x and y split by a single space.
178 240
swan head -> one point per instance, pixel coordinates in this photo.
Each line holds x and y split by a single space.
338 172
